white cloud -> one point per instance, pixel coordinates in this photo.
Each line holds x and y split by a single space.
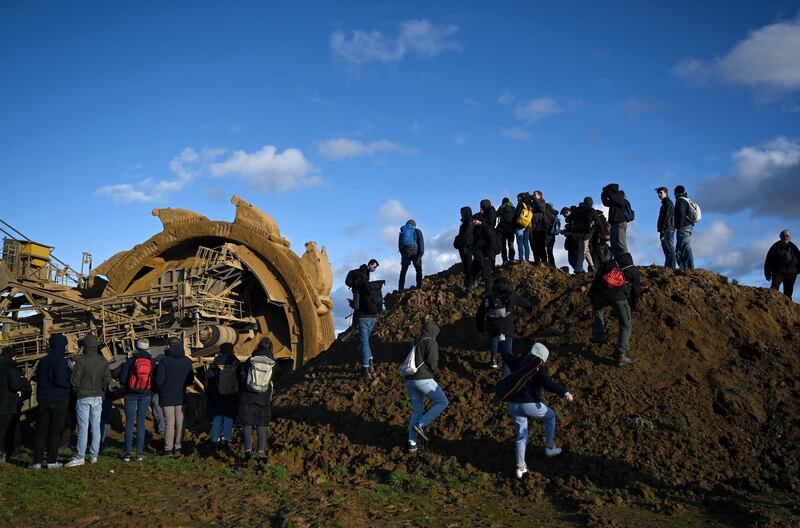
460 138
766 181
506 99
415 37
267 169
712 241
536 109
393 211
517 133
343 148
767 59
149 190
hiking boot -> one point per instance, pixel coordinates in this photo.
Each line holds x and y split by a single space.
521 472
552 451
598 340
420 432
365 374
54 465
371 368
34 466
75 462
624 359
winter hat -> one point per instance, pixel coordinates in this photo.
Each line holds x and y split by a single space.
90 344
540 351
412 222
143 344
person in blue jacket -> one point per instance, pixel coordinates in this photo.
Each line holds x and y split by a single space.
527 403
174 374
52 395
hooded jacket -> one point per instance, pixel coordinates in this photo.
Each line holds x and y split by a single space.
539 222
464 238
255 408
511 225
420 249
173 374
783 259
582 221
12 383
682 212
216 403
126 368
666 216
426 353
532 391
500 325
488 214
613 198
53 378
630 290
91 373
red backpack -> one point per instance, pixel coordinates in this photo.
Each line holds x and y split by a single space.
615 277
141 375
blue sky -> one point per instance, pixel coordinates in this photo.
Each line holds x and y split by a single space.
343 119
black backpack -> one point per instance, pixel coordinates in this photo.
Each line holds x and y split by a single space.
507 215
497 306
372 302
228 379
350 279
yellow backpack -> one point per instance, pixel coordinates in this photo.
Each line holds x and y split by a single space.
525 216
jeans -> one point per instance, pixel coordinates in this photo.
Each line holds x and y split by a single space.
405 261
494 342
520 412
221 428
668 245
417 391
683 248
619 238
577 255
88 412
52 415
173 415
622 311
523 243
136 406
247 438
365 327
787 279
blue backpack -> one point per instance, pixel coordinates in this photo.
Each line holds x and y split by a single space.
628 215
408 236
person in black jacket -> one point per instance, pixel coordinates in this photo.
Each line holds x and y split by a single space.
411 252
13 388
483 250
487 213
553 230
90 378
614 198
683 228
506 226
527 403
598 239
255 408
221 408
666 227
52 395
174 374
463 243
421 385
496 315
356 280
581 222
539 228
137 376
782 264
623 298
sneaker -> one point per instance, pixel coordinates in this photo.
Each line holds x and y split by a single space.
365 373
624 360
420 432
521 471
34 466
494 364
139 457
93 460
552 451
166 453
177 451
54 465
260 454
75 462
127 457
412 448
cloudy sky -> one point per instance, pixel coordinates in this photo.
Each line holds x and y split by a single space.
343 120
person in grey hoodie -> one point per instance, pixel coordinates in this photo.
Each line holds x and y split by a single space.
421 385
90 377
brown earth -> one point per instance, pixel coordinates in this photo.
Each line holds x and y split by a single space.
709 412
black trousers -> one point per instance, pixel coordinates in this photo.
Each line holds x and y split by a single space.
52 415
788 282
466 262
549 244
538 246
507 248
406 260
483 264
5 422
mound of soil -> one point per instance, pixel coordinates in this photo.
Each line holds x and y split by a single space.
709 411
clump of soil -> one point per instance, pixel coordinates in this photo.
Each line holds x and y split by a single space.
709 411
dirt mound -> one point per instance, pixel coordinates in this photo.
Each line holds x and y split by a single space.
709 412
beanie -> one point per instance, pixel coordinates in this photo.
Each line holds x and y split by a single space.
143 344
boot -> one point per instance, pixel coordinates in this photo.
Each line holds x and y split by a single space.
371 368
623 360
365 375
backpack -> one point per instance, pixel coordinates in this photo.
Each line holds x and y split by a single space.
141 375
555 227
628 215
507 215
603 228
525 216
508 387
584 221
372 302
408 236
349 280
228 380
496 307
615 277
259 376
409 366
693 213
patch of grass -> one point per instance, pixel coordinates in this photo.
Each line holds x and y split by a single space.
397 479
679 423
404 404
384 489
340 471
419 484
277 473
